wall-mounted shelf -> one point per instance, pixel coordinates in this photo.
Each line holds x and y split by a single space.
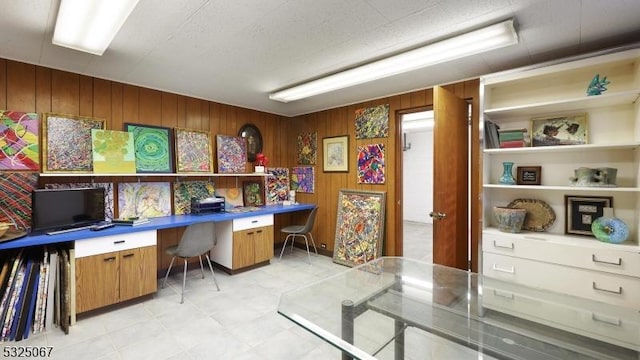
563 188
153 175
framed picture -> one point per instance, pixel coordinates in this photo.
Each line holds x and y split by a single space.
231 153
582 210
253 193
559 130
359 227
193 151
252 135
19 139
153 146
529 175
335 152
66 142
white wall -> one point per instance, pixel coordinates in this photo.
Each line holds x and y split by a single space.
417 164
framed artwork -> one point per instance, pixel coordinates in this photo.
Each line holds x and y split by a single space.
193 151
303 179
276 186
371 164
559 130
335 152
144 199
66 143
232 197
153 147
252 193
113 152
232 154
581 211
528 175
372 122
19 145
359 227
252 136
184 191
307 148
15 202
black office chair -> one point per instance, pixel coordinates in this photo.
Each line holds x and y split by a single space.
198 239
301 230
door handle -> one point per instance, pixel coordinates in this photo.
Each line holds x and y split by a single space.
438 215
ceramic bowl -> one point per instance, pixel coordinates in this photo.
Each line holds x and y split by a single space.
509 219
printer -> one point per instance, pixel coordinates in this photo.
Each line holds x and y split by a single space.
208 205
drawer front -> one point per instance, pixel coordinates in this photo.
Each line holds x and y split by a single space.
110 243
252 222
536 248
609 288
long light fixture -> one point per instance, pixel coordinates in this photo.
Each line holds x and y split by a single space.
90 25
474 42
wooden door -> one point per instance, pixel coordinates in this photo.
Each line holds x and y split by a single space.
97 281
264 244
137 272
450 198
243 248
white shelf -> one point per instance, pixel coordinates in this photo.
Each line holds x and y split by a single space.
565 148
575 240
152 174
562 188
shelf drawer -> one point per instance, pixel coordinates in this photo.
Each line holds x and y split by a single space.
252 222
110 243
535 247
609 288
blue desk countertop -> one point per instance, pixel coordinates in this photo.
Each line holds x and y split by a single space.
158 223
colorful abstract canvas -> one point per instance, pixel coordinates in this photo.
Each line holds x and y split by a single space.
276 186
108 193
372 122
15 202
232 197
67 143
144 199
193 151
303 179
19 148
253 193
184 191
231 153
113 152
359 227
371 164
307 148
153 148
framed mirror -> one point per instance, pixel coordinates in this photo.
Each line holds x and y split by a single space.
252 135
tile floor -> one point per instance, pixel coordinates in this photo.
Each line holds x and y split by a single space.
239 322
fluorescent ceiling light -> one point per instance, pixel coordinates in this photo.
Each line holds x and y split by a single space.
90 25
474 42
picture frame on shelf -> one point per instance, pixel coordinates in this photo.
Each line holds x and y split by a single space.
335 154
529 175
193 151
153 146
581 211
559 130
253 193
253 137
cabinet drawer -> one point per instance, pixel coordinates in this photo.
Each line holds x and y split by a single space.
105 244
535 247
252 222
609 288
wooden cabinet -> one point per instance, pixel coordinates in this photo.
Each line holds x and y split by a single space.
244 242
114 268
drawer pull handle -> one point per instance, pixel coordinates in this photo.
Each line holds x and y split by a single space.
593 258
619 291
250 233
118 242
254 221
127 255
495 244
615 322
110 259
259 231
510 271
504 294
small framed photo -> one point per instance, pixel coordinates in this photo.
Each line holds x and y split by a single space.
253 193
559 130
335 153
581 211
529 175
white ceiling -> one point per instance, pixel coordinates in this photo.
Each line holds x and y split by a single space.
238 51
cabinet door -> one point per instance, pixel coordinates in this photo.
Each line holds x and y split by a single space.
263 243
243 248
97 281
137 272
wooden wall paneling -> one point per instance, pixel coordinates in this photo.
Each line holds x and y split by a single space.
43 90
3 84
102 101
21 85
85 97
130 106
150 107
65 89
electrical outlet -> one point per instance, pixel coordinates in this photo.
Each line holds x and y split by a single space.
323 246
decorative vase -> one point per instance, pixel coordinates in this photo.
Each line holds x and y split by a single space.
507 176
609 228
509 219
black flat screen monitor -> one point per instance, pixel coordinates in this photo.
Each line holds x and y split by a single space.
62 209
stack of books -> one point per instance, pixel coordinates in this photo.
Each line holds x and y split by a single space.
491 140
130 221
513 138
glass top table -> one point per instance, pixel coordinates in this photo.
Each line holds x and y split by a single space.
399 308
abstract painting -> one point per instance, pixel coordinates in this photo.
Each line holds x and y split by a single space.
108 193
559 130
15 202
303 179
67 143
113 152
253 193
371 164
144 199
372 122
19 133
232 154
359 227
193 151
276 186
307 148
232 197
153 148
184 191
